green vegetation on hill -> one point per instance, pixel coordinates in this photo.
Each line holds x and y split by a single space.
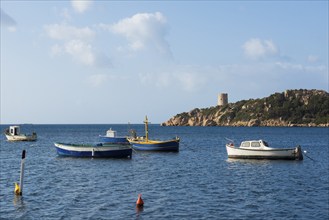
289 108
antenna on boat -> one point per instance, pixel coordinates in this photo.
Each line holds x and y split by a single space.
128 127
146 129
229 140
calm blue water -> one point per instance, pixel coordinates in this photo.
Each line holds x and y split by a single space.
198 182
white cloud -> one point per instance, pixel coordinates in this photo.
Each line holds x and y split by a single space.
301 68
312 58
190 81
12 28
187 78
81 51
256 48
56 50
7 21
161 80
66 32
65 14
76 42
97 79
81 6
143 31
290 66
276 76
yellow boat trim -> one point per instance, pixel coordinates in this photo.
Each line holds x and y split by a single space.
151 141
145 140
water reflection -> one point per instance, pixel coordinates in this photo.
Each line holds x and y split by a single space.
19 202
197 183
260 162
139 210
247 161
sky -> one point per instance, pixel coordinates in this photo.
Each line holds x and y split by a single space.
113 62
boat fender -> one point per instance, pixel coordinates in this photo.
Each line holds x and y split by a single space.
139 202
17 190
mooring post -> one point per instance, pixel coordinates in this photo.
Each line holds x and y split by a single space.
19 188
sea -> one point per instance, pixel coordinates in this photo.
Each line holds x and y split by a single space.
198 182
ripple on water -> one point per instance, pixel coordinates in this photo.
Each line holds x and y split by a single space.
198 182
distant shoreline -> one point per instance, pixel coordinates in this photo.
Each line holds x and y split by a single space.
291 108
160 124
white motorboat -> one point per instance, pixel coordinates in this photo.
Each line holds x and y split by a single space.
259 149
13 134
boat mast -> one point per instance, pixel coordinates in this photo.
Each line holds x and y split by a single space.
146 129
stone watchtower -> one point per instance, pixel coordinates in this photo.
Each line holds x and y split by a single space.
222 99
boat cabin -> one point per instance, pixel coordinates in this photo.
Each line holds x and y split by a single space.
14 130
254 144
111 133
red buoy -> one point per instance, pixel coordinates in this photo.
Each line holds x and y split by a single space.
139 201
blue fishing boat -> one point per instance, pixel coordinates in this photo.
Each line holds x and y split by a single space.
112 138
144 143
93 150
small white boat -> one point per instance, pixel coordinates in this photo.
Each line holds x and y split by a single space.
260 150
112 138
13 134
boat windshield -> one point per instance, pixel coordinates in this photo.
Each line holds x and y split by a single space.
255 144
245 144
265 143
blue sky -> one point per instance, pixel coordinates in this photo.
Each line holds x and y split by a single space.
117 61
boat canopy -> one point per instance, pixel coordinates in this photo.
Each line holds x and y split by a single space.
111 133
259 143
14 130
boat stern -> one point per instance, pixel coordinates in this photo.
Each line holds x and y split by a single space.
299 153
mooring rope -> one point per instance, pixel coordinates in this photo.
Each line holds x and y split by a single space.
304 153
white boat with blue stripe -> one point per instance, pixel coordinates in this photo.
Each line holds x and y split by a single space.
93 150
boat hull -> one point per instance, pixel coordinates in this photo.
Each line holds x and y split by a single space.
113 140
21 137
272 154
84 150
172 145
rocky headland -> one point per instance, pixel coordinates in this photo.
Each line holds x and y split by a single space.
290 108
